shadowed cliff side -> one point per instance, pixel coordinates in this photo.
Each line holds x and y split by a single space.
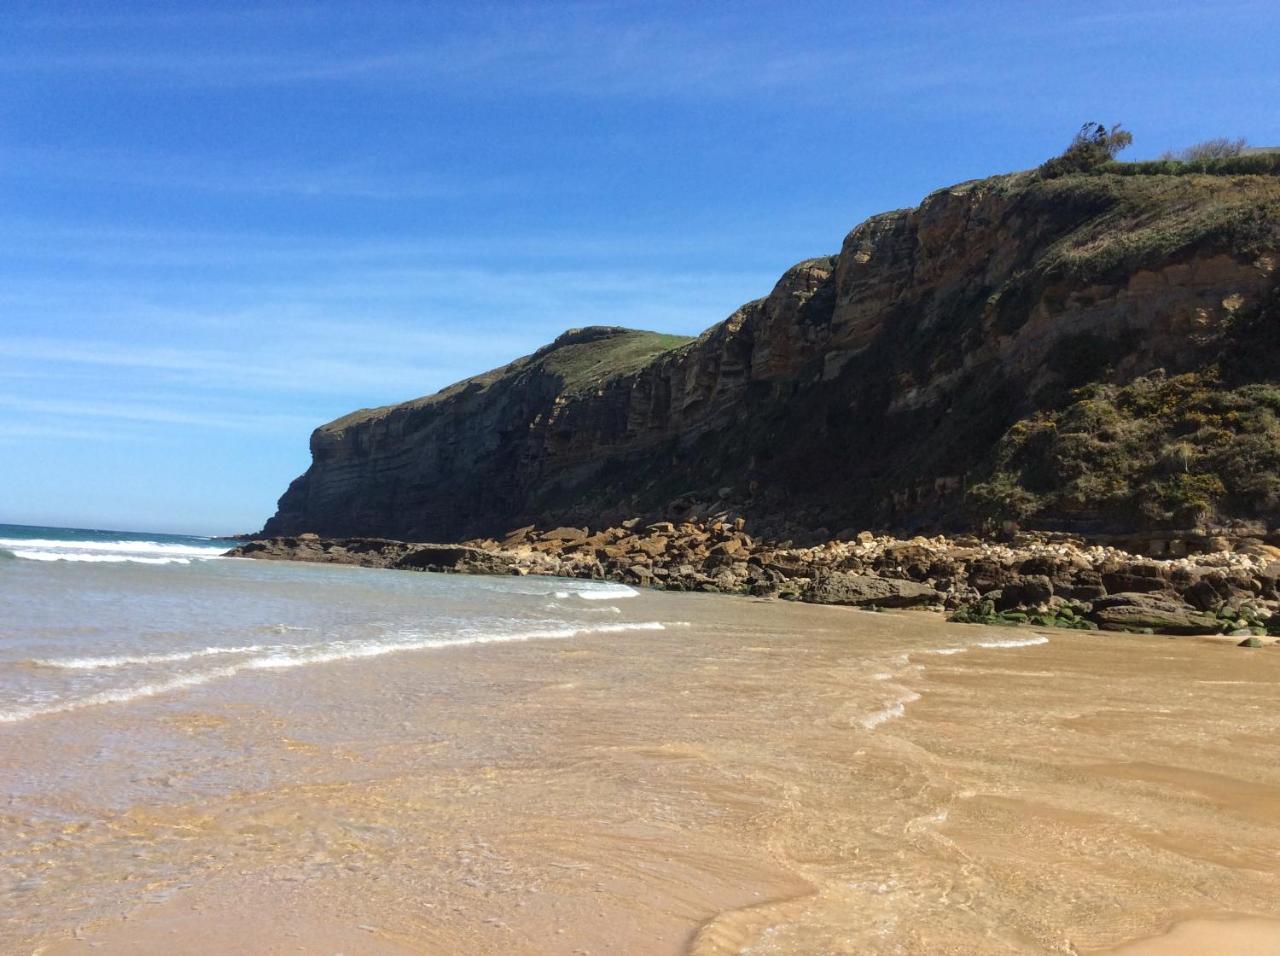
891 386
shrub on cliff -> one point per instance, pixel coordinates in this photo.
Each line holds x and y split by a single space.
1175 452
1218 148
1246 164
1094 145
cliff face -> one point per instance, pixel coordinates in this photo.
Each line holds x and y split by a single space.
885 386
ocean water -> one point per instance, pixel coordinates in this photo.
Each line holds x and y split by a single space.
102 618
200 754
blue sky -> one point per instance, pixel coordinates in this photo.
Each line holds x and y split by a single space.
222 224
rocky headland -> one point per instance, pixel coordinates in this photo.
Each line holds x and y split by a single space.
1096 353
1093 353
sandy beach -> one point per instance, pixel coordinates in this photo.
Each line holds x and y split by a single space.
767 779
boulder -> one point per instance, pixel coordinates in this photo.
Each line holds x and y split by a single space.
1028 591
446 557
1133 579
860 590
1136 611
565 535
654 547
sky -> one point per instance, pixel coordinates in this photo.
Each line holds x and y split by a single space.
223 224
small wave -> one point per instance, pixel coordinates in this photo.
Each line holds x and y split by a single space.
593 592
1008 642
128 660
606 592
597 591
117 696
895 709
1014 642
286 656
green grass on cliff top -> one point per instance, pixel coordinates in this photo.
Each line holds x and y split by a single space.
580 365
587 364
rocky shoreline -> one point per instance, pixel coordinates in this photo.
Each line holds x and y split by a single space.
1046 580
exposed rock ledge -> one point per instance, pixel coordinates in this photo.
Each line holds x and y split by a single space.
1047 580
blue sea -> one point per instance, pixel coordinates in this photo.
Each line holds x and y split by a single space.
94 619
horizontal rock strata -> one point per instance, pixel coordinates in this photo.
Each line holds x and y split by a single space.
1094 352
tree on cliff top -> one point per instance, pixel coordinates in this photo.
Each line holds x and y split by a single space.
1091 147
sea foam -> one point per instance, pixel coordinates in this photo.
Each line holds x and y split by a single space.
282 657
895 709
108 552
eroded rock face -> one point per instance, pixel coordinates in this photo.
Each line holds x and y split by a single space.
861 391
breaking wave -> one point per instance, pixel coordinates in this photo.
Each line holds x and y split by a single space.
108 552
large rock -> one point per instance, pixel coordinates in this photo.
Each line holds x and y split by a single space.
1137 611
378 553
860 590
457 558
1030 590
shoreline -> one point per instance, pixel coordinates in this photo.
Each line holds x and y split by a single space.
1045 580
634 793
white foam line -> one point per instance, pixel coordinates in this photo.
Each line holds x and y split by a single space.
96 558
119 547
126 660
118 696
1010 642
606 593
141 552
895 709
321 654
899 707
1014 642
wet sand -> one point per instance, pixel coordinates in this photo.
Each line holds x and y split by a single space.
767 779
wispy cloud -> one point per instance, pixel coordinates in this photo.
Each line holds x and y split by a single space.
152 414
225 370
58 432
203 173
591 50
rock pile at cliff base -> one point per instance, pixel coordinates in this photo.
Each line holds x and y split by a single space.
1040 579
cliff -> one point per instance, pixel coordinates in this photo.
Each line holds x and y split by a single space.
1091 352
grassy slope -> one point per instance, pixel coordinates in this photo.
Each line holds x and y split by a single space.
580 366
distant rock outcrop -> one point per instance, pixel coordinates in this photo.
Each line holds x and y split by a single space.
1095 352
